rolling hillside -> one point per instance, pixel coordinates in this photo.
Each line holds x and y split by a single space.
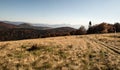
27 25
4 25
85 52
26 31
9 25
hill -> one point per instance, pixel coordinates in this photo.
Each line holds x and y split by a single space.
61 30
27 25
85 52
4 25
27 33
7 24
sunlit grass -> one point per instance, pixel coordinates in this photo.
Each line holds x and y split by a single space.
60 53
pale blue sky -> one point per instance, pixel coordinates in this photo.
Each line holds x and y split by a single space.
60 11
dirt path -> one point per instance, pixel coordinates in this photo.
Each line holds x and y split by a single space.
104 45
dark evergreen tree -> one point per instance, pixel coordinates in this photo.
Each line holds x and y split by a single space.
90 24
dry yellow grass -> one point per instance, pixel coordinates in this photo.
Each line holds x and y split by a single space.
85 52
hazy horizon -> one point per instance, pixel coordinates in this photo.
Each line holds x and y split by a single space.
73 12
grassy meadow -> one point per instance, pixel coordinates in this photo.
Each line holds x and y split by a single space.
80 52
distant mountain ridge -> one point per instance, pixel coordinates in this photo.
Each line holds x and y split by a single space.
6 24
27 25
28 31
45 24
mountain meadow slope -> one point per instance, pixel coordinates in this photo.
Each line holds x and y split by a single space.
80 52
